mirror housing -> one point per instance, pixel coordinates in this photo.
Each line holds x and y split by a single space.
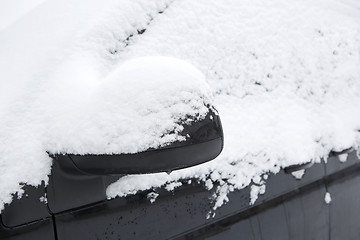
203 143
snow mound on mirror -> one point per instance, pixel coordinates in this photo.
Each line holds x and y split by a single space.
140 105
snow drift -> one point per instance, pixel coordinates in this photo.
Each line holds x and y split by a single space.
284 74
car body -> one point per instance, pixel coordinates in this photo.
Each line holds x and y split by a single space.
287 92
290 209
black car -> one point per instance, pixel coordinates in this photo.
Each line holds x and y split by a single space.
76 206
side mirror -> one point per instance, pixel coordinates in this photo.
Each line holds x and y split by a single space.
148 91
204 142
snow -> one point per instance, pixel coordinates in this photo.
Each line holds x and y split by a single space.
298 174
58 96
343 157
255 190
135 108
283 74
171 186
152 196
285 77
43 199
327 198
140 105
11 12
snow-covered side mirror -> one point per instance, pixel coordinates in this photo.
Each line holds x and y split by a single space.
204 142
151 114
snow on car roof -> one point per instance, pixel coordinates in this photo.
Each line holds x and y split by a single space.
284 77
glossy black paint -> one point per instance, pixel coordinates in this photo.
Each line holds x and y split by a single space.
73 189
289 209
302 214
29 209
42 229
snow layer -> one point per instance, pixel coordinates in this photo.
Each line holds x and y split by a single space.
10 12
285 76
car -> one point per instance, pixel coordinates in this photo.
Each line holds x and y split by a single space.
80 181
291 208
109 118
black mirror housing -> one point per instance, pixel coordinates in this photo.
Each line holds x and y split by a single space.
204 142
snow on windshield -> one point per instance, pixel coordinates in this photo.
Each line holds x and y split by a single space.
284 76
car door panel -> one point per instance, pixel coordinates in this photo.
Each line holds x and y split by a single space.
40 230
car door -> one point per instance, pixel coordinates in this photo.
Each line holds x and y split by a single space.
317 208
182 214
27 217
77 184
291 208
